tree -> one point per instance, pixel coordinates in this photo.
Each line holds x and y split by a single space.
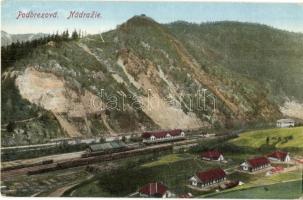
102 140
11 126
79 33
65 35
57 37
217 125
75 35
267 140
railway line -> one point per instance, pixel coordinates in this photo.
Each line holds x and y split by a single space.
83 159
77 140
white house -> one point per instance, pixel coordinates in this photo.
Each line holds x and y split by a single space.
279 156
162 136
285 123
212 155
208 178
255 164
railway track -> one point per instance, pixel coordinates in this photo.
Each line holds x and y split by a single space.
82 161
15 172
75 162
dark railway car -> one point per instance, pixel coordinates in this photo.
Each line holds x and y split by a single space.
13 167
40 170
45 162
20 166
99 153
75 162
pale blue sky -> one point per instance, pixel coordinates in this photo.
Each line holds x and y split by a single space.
284 16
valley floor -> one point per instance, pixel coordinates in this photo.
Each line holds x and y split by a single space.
122 178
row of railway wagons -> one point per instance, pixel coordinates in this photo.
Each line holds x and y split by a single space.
75 162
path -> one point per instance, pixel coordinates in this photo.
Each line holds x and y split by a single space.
67 127
59 192
111 131
21 121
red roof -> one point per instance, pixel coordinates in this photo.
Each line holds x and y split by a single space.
153 189
161 134
278 154
211 174
256 162
211 154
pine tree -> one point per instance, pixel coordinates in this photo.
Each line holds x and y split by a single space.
75 35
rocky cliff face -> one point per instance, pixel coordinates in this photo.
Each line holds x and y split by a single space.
141 76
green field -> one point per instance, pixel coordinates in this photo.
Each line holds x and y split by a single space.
285 190
173 170
167 159
257 139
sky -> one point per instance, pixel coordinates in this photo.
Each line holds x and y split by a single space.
286 16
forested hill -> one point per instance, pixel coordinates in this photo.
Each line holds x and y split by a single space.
271 56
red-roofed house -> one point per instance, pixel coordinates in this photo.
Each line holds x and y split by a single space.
162 136
154 190
279 156
255 164
212 155
208 178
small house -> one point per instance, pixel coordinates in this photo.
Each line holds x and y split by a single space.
162 136
212 155
255 164
156 189
208 178
279 156
285 123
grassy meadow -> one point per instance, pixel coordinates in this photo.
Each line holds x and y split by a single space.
289 138
283 190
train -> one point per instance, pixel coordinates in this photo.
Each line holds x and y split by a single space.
75 162
20 166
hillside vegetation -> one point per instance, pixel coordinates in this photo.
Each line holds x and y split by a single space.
145 76
272 57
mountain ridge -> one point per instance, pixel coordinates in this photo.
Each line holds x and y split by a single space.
7 38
